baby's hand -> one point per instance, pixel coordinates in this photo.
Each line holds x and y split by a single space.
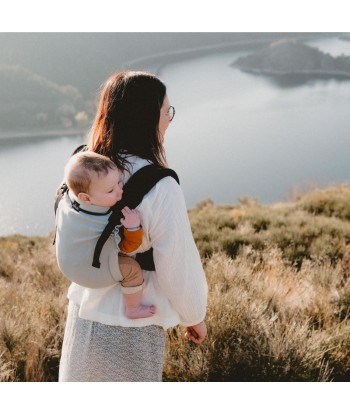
132 218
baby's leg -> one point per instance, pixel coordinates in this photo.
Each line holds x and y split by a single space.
132 289
133 307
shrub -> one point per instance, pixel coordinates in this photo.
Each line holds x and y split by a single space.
331 202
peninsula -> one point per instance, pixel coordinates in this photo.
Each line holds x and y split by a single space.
288 56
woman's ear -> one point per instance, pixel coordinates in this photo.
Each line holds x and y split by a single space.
84 198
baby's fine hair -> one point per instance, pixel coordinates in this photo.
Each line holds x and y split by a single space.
78 171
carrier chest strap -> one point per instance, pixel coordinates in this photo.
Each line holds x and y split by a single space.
76 206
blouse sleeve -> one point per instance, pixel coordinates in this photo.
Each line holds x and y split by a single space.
177 261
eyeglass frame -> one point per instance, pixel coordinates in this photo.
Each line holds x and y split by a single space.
174 112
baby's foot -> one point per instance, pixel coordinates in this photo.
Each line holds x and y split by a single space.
141 311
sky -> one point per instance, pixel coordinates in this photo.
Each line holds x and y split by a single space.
174 15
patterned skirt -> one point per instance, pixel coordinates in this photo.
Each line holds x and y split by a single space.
95 352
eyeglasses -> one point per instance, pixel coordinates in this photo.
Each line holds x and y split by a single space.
171 113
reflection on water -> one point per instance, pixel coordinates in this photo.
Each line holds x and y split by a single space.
296 80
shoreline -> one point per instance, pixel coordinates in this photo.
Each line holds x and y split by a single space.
22 137
159 60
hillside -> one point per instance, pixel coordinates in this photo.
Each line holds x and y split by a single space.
288 57
278 303
32 101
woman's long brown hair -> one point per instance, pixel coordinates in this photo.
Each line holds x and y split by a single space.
127 118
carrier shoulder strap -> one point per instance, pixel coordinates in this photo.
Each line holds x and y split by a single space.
139 184
60 192
64 188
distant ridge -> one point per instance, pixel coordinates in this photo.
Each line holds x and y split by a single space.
288 56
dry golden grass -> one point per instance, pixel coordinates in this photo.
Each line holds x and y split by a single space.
268 322
32 310
279 297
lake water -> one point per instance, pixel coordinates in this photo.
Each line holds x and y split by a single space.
234 135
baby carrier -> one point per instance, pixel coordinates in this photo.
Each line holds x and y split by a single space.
139 184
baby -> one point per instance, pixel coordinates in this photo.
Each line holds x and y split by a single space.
93 179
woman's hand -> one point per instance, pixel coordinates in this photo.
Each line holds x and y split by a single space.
132 218
196 333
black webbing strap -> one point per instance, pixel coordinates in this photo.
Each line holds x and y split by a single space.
139 184
145 260
61 191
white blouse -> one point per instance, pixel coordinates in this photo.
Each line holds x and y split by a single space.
177 288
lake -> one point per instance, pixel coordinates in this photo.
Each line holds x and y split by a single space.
234 135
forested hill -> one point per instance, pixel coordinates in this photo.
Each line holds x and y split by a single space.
290 57
33 101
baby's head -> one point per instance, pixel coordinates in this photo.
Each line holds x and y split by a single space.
94 179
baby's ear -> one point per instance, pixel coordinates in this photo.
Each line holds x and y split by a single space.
84 198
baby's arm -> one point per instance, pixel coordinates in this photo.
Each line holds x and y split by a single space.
132 230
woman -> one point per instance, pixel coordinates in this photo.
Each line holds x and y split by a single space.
100 343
